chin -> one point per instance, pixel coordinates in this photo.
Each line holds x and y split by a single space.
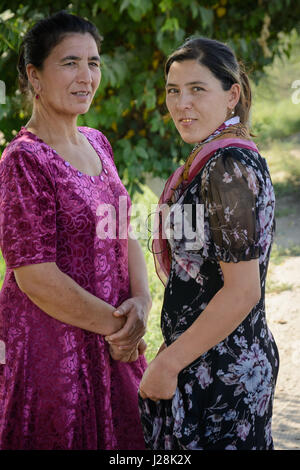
190 140
82 110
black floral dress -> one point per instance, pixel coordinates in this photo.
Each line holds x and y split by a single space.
224 398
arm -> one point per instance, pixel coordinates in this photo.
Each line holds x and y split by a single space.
136 308
29 190
224 313
162 348
62 298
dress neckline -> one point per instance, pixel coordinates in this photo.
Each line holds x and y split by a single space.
66 162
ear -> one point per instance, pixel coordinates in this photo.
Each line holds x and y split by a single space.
234 95
33 77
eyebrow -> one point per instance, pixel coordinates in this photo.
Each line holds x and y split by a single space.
189 83
74 57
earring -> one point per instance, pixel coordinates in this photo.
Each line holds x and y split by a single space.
230 113
37 96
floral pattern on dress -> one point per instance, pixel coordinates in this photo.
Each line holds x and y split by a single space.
224 398
59 386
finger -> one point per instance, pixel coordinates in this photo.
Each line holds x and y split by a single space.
128 347
128 342
119 313
134 356
142 347
131 341
123 309
133 338
124 334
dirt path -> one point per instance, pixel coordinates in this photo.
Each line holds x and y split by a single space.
283 313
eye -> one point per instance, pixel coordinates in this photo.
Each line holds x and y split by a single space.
69 64
95 64
172 91
197 88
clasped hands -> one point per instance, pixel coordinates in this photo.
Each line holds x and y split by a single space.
127 344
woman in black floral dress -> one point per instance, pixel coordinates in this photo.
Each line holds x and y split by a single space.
211 386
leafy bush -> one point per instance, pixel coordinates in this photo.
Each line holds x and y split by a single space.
138 35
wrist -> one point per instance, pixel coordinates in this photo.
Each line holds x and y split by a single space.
168 361
146 301
113 324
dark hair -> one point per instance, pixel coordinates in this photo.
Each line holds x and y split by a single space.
44 36
221 61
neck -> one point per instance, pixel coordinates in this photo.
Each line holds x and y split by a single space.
51 127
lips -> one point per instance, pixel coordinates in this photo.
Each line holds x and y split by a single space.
81 93
187 120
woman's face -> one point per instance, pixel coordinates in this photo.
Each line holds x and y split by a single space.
70 75
196 100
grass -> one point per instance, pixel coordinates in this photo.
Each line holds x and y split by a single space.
285 212
274 114
276 288
284 165
2 270
153 336
280 254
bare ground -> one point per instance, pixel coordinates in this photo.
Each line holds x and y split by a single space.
283 313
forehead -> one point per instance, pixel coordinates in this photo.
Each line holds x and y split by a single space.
75 44
189 71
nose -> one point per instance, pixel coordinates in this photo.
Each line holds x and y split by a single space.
84 74
184 101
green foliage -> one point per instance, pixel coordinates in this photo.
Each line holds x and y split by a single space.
138 35
274 114
2 270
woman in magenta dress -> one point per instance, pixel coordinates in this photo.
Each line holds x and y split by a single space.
70 263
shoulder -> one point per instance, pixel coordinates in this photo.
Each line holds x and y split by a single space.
24 146
25 152
235 165
98 137
233 158
228 155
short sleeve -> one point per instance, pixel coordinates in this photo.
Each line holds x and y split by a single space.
230 194
27 210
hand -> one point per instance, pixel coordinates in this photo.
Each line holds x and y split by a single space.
159 381
128 356
136 311
142 346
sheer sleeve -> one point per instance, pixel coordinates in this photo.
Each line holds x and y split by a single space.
230 194
27 210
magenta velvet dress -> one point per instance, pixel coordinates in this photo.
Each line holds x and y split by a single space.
59 387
